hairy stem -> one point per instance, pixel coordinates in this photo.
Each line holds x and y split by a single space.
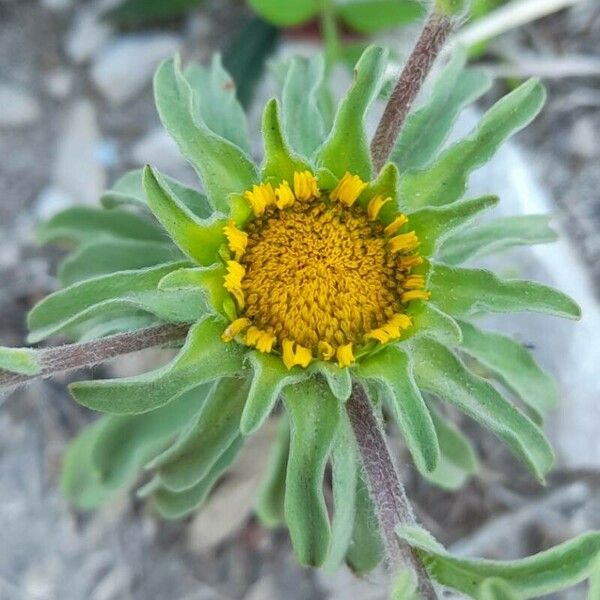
385 488
76 356
435 33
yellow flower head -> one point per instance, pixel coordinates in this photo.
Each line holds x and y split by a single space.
320 279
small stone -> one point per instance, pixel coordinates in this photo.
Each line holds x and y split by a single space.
19 107
159 149
77 170
126 66
87 35
59 83
583 139
57 5
50 201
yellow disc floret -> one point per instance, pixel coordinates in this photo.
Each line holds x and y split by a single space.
317 275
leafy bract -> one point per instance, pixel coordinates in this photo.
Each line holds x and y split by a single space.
223 167
427 128
543 573
445 180
347 147
439 371
314 415
497 235
19 360
215 102
513 364
464 292
390 368
111 294
199 239
203 358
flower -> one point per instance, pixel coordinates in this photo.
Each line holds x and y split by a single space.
317 275
301 278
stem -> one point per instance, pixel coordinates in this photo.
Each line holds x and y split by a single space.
435 33
385 488
76 356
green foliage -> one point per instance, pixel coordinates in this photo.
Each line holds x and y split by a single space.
19 360
139 13
550 571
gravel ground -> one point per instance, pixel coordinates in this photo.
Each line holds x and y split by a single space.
64 134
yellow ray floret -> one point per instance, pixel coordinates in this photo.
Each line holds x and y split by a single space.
233 281
345 355
375 205
405 242
409 262
326 350
348 189
295 354
414 282
398 222
234 328
392 330
237 240
415 295
262 340
284 196
305 185
260 198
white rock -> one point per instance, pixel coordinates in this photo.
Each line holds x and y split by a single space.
158 149
50 201
87 35
77 170
57 5
124 67
59 83
17 107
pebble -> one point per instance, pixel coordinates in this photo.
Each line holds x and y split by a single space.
124 67
50 201
87 35
57 5
77 169
19 107
158 149
59 83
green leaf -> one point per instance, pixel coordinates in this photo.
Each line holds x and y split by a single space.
223 167
103 326
427 128
292 12
439 371
434 224
215 428
404 586
457 456
347 147
108 256
176 505
339 380
271 495
495 589
19 360
270 377
594 586
80 225
366 547
199 239
544 573
464 292
246 54
344 474
127 442
141 13
314 417
280 161
390 368
385 184
129 190
203 358
431 321
80 482
109 294
371 16
445 180
206 280
496 236
216 103
513 364
304 100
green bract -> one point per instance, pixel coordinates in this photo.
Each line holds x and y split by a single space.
157 252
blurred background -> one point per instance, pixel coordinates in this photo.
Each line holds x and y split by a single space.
76 111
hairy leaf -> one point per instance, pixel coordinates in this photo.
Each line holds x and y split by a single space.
338 379
544 573
495 236
464 292
314 415
203 358
495 589
439 371
445 180
431 321
19 360
347 147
